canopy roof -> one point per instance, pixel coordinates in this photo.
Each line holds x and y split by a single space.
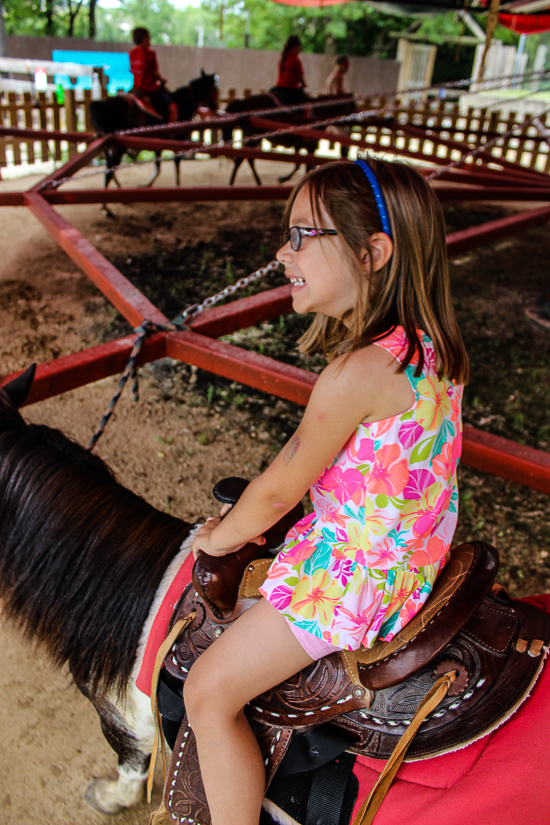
522 16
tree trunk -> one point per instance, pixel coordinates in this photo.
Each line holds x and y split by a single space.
91 20
3 43
72 17
49 29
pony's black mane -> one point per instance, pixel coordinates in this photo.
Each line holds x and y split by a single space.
81 557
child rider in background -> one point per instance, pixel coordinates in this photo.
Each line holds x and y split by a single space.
148 82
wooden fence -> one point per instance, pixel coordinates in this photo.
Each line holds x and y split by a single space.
477 127
528 145
43 112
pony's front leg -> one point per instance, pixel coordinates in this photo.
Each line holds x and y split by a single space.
128 728
156 171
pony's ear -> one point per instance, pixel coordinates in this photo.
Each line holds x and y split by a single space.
203 73
18 390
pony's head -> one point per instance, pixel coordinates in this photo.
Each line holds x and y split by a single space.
205 90
81 556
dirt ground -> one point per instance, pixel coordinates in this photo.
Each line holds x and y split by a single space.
170 448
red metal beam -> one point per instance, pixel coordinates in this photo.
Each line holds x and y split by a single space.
485 452
470 238
484 176
513 171
467 149
46 134
120 292
303 131
12 199
187 126
141 194
244 313
507 459
81 368
217 151
490 193
74 164
198 194
240 365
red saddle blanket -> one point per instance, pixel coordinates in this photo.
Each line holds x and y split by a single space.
501 779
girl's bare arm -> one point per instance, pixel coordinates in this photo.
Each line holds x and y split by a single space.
341 399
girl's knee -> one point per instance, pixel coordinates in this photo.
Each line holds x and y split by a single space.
195 692
204 695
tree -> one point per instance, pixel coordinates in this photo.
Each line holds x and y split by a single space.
3 44
91 19
72 11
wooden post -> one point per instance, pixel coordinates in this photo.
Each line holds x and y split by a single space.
70 116
492 20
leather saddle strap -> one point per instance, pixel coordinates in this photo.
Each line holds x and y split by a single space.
435 695
178 628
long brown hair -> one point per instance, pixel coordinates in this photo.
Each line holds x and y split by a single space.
290 44
412 290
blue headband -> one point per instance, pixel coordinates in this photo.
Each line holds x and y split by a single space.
378 196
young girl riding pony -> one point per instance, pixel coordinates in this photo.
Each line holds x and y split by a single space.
378 446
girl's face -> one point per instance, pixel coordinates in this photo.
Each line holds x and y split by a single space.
320 277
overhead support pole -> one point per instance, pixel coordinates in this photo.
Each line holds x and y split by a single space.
492 20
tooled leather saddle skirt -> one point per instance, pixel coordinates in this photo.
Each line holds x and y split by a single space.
492 647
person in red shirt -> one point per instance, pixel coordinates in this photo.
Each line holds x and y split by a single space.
291 84
149 84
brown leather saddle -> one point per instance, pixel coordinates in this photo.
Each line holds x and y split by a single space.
455 672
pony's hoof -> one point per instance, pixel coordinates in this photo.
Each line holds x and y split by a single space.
107 212
97 797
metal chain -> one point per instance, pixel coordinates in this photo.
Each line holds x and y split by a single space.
196 309
355 117
299 106
177 325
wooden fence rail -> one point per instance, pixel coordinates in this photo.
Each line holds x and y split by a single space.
43 112
528 145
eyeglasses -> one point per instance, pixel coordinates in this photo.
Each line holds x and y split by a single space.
296 233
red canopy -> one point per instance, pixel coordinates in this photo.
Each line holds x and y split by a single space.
526 23
312 2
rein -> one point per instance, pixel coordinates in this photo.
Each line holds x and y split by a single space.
177 325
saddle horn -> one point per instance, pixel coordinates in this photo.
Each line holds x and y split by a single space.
19 388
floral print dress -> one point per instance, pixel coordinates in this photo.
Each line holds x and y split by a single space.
364 562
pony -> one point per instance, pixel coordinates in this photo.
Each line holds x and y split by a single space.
324 106
85 565
82 561
123 112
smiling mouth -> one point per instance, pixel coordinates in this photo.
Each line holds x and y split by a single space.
297 281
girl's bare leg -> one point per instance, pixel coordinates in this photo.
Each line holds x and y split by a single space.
256 653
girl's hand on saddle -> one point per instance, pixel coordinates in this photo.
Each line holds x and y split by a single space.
205 541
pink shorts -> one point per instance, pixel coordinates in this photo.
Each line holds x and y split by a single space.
314 647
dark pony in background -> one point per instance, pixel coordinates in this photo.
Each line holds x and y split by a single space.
317 108
122 112
81 561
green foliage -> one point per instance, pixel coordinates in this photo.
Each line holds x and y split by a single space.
352 28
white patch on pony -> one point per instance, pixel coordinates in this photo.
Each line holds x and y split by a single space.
110 796
277 813
135 706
